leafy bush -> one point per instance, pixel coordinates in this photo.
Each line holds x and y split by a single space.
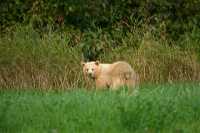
169 18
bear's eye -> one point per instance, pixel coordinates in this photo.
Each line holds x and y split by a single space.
87 69
92 69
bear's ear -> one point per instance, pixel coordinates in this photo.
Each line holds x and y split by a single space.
82 63
97 62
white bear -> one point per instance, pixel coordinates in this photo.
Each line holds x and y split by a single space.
112 76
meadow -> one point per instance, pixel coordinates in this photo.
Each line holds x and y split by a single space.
152 108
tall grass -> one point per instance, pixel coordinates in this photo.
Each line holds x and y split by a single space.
160 108
30 59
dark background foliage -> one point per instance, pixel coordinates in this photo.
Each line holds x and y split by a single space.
173 17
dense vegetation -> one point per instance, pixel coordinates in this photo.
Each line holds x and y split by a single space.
162 108
173 16
42 42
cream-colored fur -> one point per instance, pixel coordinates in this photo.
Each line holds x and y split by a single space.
112 76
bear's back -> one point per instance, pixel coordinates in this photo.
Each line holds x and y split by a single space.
120 68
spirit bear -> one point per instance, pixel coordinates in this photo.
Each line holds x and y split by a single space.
112 76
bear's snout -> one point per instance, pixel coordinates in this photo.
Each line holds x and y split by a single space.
90 74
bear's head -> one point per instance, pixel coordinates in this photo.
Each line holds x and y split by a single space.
91 69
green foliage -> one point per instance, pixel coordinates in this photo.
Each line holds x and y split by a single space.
168 18
160 108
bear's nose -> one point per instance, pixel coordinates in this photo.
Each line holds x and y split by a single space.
90 74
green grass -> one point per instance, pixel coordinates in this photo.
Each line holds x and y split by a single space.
154 108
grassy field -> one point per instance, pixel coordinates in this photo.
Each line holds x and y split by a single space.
154 108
